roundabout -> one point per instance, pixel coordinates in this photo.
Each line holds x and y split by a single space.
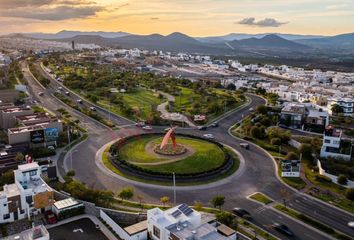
194 161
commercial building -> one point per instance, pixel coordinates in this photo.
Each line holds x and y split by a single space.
37 129
28 196
183 223
8 114
9 95
334 146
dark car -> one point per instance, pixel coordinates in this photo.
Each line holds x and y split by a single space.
283 229
242 213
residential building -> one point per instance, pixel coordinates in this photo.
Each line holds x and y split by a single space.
347 104
184 223
29 195
293 115
334 146
35 233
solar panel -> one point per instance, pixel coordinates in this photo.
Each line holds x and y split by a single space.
176 213
188 212
183 207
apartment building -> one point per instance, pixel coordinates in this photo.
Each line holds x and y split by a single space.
184 223
28 196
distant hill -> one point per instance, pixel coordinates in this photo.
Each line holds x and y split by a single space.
241 36
69 34
343 41
269 43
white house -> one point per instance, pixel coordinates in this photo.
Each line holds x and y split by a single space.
183 223
332 144
347 104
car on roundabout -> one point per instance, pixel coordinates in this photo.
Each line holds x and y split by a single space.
208 136
149 128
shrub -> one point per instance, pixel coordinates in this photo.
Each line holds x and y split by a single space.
126 193
275 141
71 212
306 150
291 156
342 179
226 218
322 178
349 194
257 132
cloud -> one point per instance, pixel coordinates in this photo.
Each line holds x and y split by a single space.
50 10
267 22
154 18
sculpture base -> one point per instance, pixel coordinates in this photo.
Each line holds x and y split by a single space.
169 150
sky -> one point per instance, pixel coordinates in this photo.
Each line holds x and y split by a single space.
192 17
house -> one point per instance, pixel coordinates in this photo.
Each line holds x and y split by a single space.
184 223
293 115
28 196
334 146
347 104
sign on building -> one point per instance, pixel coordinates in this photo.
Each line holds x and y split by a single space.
37 136
51 134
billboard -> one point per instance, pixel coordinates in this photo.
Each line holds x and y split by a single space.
51 134
37 136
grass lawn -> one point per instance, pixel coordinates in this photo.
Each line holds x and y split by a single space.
111 167
312 222
143 100
207 155
261 198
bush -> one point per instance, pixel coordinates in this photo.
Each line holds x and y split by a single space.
275 141
43 152
257 132
349 194
291 156
322 178
306 150
342 179
226 218
71 212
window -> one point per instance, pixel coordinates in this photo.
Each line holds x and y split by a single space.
5 205
156 232
327 141
6 216
33 173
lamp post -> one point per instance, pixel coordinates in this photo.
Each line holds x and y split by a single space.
174 189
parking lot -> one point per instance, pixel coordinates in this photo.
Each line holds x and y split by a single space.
83 229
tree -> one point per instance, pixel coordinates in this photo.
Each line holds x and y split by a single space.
291 156
349 194
198 206
306 150
126 193
336 108
218 201
342 179
19 157
231 86
257 132
164 200
226 218
262 109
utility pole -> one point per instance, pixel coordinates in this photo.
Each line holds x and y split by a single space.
174 189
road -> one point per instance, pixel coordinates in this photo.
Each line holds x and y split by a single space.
259 174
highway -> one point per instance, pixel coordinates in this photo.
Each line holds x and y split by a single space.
259 173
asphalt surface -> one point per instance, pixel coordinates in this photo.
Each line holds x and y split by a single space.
258 176
83 229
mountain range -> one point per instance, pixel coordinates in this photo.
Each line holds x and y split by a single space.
272 45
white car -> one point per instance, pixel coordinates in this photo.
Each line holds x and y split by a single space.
147 128
251 109
92 108
351 225
40 94
60 88
79 101
209 136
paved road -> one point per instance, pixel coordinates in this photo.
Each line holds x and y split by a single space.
259 175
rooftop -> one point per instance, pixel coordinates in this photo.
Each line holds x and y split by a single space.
31 234
28 167
204 231
10 190
136 228
294 108
66 203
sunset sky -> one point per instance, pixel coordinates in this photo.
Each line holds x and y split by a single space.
193 17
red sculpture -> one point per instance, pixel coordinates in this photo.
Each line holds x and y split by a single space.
170 134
